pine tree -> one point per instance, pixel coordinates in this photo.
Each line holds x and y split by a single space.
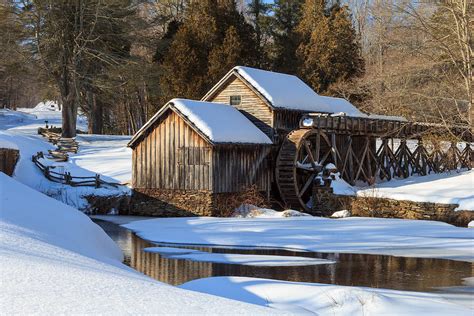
329 51
287 15
191 65
257 11
226 55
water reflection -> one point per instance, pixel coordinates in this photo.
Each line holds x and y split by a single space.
417 274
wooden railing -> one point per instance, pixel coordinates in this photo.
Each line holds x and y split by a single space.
362 126
386 163
67 178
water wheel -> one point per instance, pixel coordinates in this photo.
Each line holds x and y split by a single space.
301 158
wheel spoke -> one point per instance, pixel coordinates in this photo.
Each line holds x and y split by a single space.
306 185
310 155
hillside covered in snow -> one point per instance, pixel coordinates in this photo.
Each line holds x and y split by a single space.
55 260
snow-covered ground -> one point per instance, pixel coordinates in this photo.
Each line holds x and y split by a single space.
451 188
109 156
55 260
103 154
407 238
324 299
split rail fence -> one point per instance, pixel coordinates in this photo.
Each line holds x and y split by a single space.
67 178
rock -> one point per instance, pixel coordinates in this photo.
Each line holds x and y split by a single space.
341 214
252 211
293 213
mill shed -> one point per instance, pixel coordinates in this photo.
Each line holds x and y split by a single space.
272 132
275 102
193 154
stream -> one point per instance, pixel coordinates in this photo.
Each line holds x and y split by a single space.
376 271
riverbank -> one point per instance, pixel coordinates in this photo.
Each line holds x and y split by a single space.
55 260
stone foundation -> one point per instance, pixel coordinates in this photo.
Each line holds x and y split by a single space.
389 208
174 203
171 203
107 204
8 159
324 202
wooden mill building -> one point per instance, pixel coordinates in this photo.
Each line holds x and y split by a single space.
193 153
272 132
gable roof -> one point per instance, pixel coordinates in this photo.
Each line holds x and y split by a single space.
283 91
216 122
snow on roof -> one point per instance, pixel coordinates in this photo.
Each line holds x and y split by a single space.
388 117
7 144
221 123
290 92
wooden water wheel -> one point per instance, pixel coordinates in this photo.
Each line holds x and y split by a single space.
301 158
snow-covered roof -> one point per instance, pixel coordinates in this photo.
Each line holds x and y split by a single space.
4 143
387 117
220 123
289 92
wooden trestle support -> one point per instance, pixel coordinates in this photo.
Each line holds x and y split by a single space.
361 152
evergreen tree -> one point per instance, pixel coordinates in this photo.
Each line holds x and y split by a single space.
329 51
190 67
226 55
257 11
287 15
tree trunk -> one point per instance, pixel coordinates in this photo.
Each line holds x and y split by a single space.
96 116
69 115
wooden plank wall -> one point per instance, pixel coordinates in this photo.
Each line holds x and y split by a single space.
238 167
158 161
252 105
287 120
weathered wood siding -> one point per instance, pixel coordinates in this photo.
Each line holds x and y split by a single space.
172 156
238 167
251 104
287 120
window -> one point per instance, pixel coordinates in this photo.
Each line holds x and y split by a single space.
235 100
193 156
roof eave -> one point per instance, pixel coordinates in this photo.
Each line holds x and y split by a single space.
241 144
234 72
147 125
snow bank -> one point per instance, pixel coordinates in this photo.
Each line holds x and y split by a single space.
7 144
324 299
451 188
10 118
290 92
407 238
52 222
47 106
241 259
103 154
222 123
56 261
50 111
455 187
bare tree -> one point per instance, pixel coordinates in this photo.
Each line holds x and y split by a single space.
68 40
449 29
